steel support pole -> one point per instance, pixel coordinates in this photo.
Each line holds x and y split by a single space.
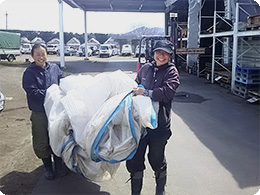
61 34
86 35
213 48
226 51
235 42
166 24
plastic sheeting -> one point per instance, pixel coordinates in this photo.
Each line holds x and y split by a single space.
9 40
95 122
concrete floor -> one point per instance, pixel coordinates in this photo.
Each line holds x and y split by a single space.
214 149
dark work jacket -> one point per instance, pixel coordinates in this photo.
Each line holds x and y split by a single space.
163 80
36 81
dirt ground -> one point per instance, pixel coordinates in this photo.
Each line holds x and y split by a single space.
19 169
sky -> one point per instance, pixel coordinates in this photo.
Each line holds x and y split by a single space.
43 15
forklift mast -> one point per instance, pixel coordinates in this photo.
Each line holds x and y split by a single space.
150 40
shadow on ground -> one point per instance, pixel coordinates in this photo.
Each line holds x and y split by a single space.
225 124
35 183
186 97
20 182
72 183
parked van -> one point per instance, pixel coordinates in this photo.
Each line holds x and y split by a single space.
105 50
142 53
26 48
68 50
52 48
126 50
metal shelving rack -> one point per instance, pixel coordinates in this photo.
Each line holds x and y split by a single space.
235 34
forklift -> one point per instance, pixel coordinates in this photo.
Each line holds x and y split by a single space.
149 42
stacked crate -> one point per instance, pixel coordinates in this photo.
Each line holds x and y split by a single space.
247 80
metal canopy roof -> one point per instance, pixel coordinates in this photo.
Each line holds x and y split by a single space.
121 5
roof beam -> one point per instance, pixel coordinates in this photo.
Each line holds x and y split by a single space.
141 6
119 5
168 3
110 5
74 4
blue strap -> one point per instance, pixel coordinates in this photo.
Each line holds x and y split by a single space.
141 86
131 124
95 146
72 139
74 165
153 118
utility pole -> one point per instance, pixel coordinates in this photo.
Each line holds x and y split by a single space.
6 20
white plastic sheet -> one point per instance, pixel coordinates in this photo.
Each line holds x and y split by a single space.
95 122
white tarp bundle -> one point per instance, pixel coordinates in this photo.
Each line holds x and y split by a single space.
95 122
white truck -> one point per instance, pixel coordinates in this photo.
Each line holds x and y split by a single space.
126 50
10 44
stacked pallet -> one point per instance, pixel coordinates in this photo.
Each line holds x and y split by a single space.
208 67
222 76
247 81
253 22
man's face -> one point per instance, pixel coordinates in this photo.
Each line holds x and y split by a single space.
161 57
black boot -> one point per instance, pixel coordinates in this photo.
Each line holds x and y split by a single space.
136 183
48 172
59 165
160 183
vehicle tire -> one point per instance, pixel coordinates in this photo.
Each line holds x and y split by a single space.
10 58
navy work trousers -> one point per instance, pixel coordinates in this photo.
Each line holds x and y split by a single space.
156 141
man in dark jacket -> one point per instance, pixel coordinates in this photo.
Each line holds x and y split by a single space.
36 79
159 79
